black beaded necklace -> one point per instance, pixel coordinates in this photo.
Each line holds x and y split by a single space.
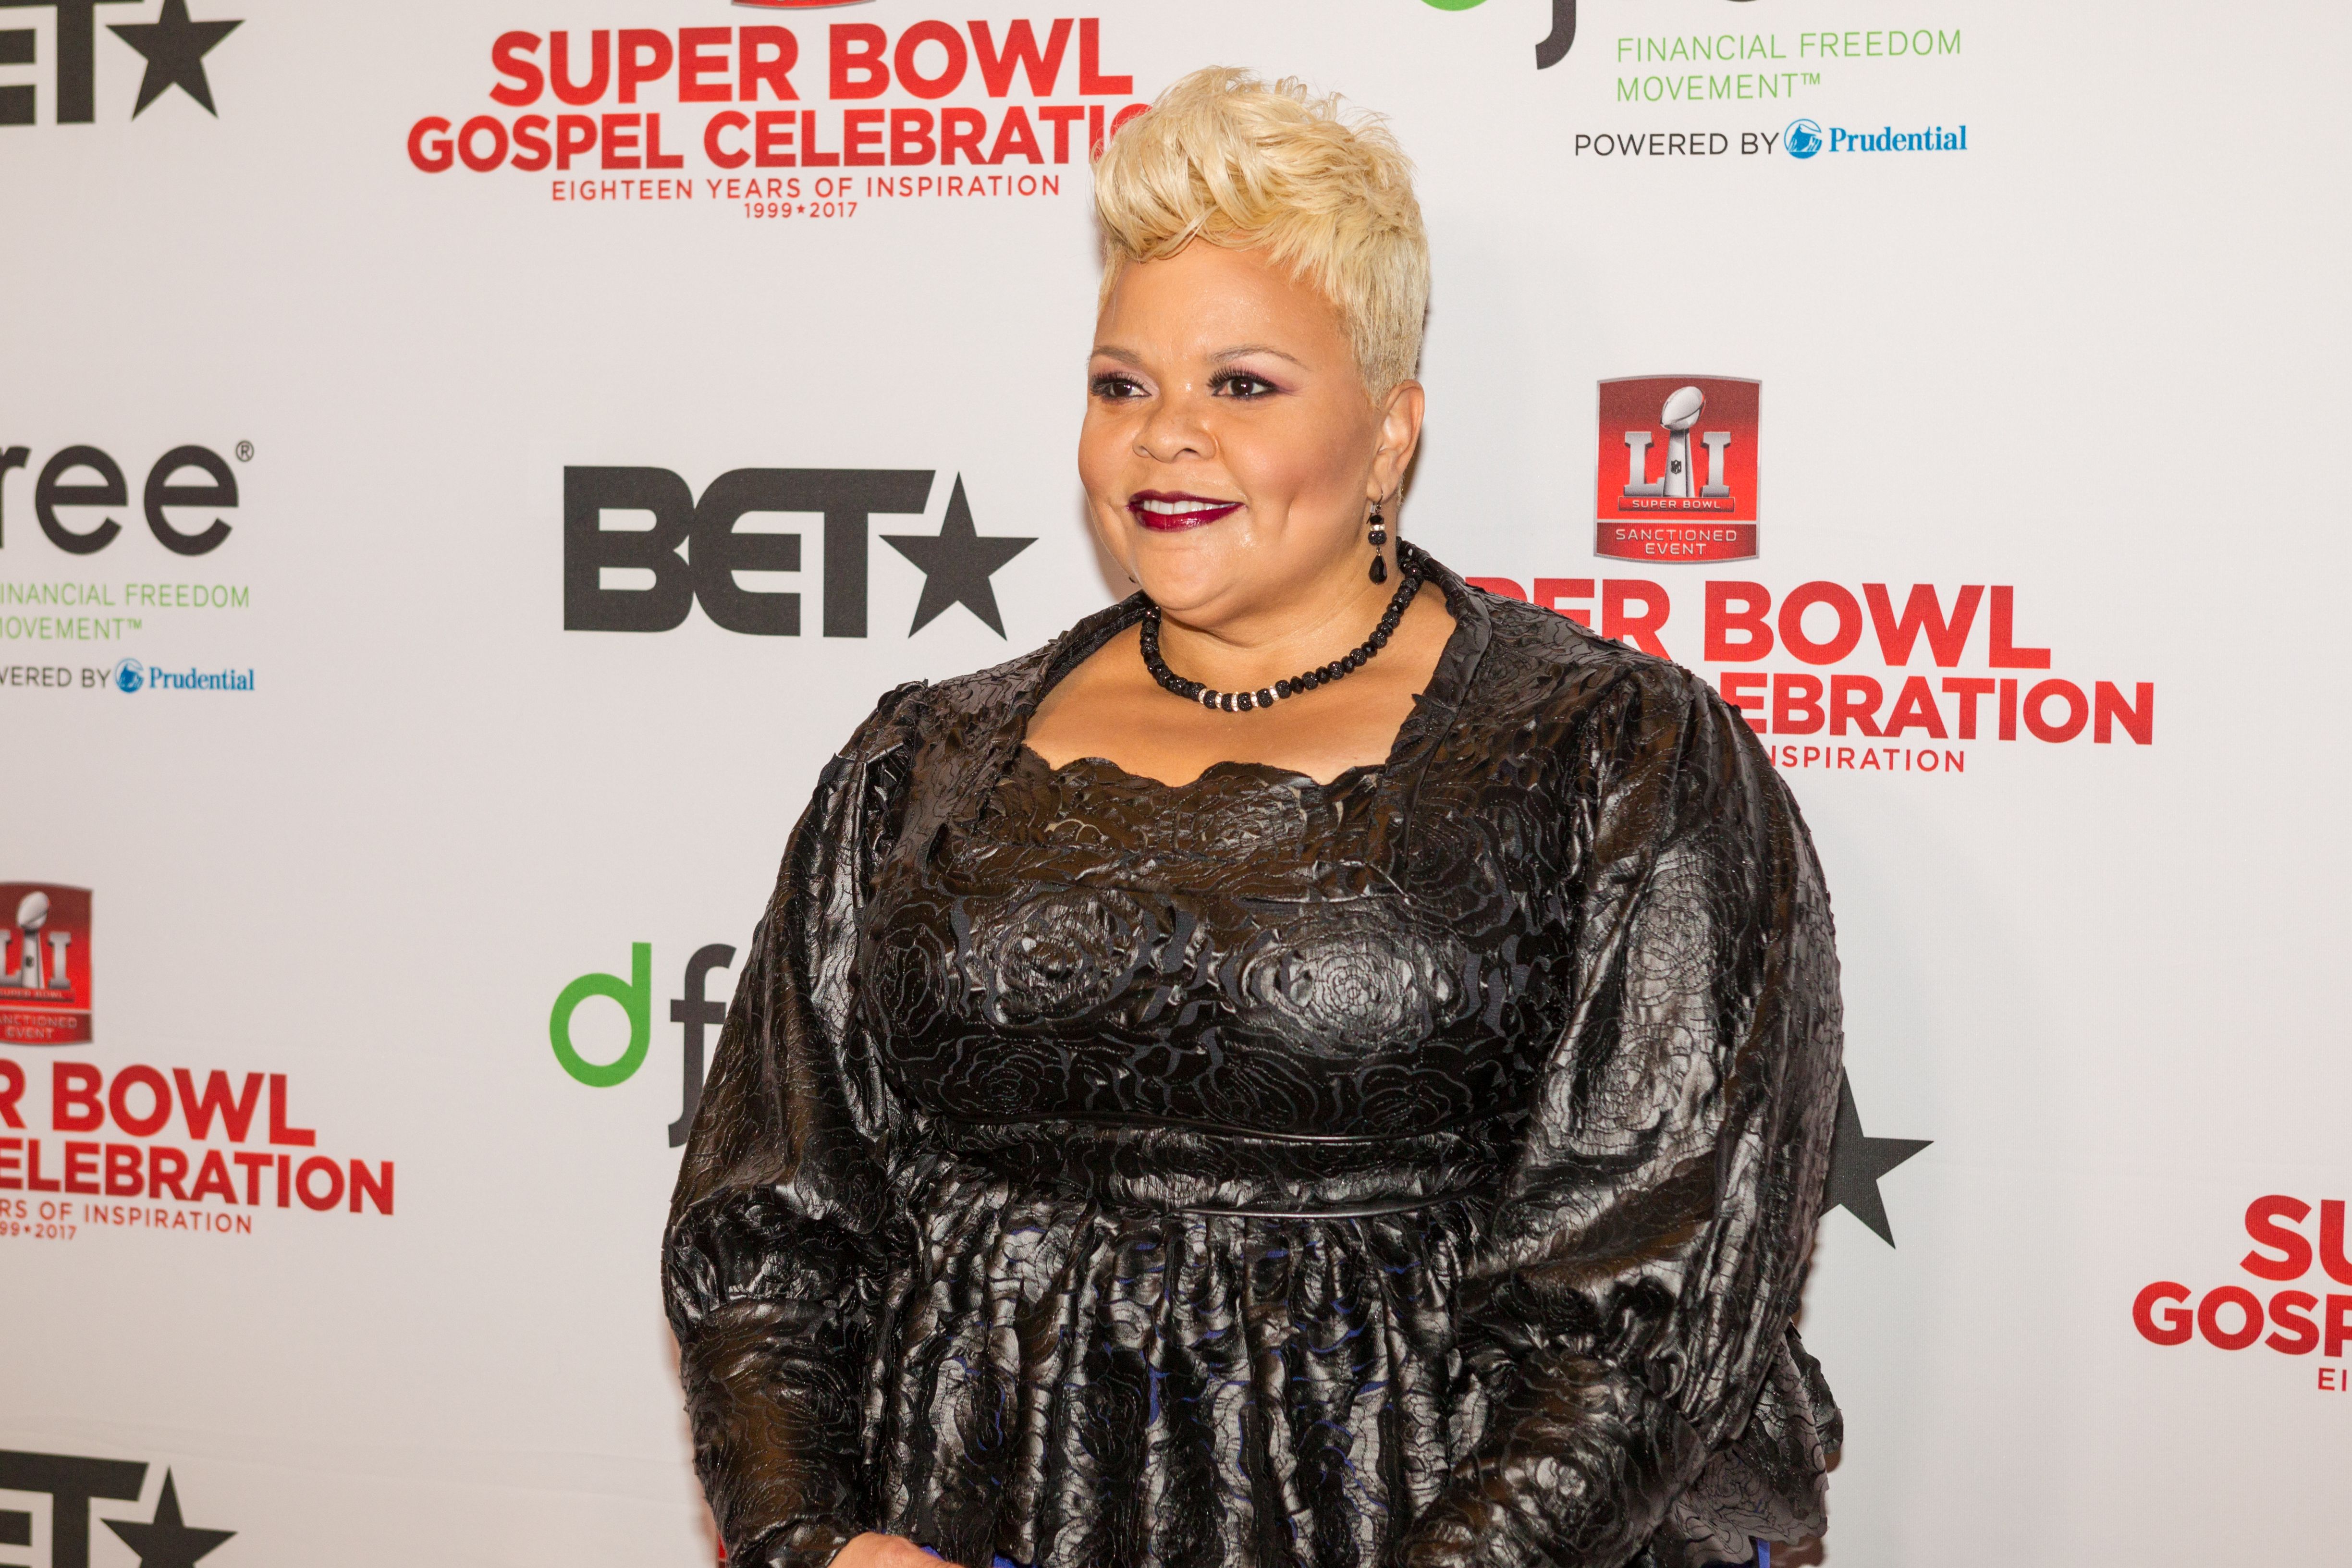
1409 568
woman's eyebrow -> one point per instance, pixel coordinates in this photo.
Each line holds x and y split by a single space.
1222 355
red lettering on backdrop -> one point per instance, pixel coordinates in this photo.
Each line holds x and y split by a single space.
507 58
2250 1316
1015 136
574 134
2138 719
1043 68
858 68
1916 709
280 1131
1737 635
861 137
212 1177
910 77
702 54
2173 1328
73 1096
2339 1325
159 1103
1796 705
1092 83
1061 117
960 130
531 151
81 1169
910 136
167 1169
758 66
729 120
1840 643
2263 1222
1854 700
2331 1242
253 1162
2002 653
1922 613
559 67
198 1110
645 56
619 139
2290 1310
1967 688
773 138
12 1089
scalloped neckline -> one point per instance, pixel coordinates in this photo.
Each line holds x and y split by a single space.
1268 773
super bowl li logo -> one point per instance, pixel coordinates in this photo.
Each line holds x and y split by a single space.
1677 469
44 964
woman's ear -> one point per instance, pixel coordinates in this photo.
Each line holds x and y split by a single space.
1401 414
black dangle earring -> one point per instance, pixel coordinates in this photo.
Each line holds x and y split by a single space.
1380 542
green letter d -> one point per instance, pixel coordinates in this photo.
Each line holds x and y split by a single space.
636 999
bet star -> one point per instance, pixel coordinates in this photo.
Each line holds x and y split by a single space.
1857 1161
175 49
956 564
167 1543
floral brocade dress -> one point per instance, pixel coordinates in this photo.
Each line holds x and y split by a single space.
1415 1169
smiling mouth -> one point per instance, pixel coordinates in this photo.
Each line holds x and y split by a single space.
1165 513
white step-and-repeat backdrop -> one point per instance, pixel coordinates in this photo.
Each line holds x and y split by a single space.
463 466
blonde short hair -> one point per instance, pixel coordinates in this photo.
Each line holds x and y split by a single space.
1224 158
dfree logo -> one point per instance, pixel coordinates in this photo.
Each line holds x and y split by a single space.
57 504
174 47
599 561
45 965
693 1011
72 1484
2233 1317
1677 469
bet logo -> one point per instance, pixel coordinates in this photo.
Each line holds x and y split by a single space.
606 568
73 1483
1804 138
174 47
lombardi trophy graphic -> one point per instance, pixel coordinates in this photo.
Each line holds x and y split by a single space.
32 914
1681 412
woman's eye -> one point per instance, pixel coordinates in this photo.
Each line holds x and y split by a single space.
1115 385
1241 383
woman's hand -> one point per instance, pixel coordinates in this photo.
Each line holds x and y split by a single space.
873 1551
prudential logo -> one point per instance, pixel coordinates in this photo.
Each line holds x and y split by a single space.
1805 137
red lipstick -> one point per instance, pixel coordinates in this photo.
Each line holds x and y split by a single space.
1169 511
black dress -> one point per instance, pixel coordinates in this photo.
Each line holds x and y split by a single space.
1418 1168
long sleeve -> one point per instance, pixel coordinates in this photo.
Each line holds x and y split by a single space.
781 1226
1632 1299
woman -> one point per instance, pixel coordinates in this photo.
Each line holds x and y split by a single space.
1317 1066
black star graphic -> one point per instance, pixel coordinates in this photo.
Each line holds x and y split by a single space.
957 566
1856 1161
175 49
168 1543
